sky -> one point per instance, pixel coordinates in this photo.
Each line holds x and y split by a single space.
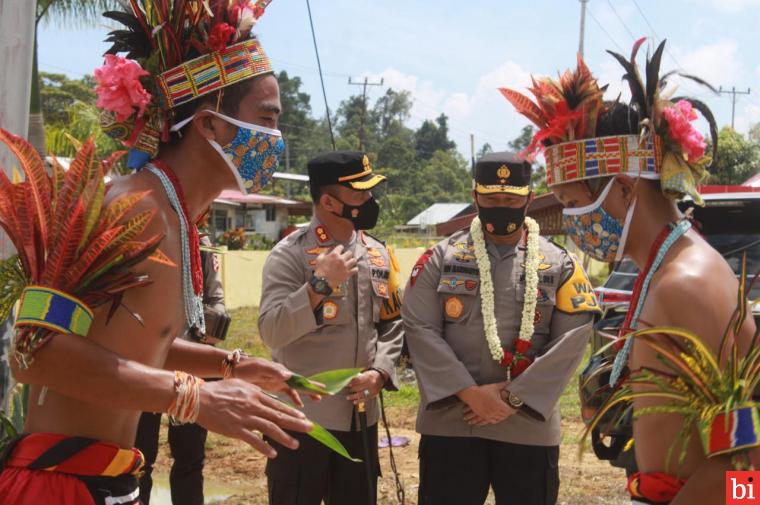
453 55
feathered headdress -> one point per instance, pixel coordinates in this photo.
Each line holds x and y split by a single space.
74 253
564 110
176 51
655 139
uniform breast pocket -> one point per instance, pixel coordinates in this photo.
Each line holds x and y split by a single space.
546 299
334 312
458 297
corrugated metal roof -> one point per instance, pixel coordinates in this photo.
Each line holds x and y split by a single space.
437 213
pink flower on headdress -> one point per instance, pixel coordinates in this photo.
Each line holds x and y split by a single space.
681 131
244 13
119 89
220 36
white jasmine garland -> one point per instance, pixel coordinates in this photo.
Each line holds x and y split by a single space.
486 286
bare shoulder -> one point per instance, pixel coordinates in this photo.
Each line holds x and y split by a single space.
150 197
694 289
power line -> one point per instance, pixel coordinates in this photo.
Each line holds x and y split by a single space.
321 79
614 11
601 27
733 94
646 20
364 84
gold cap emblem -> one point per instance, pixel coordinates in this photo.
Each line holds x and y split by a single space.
365 163
503 173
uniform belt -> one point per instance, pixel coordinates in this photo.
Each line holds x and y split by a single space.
79 456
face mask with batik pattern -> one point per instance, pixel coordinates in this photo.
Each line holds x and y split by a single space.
252 155
595 231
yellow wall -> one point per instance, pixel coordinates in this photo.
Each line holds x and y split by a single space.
241 274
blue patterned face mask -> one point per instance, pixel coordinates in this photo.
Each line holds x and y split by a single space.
595 231
252 155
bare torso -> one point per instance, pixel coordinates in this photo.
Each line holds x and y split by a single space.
694 289
161 308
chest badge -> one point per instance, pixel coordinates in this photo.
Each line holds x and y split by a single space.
454 307
330 310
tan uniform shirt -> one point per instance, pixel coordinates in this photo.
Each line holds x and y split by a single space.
443 325
356 326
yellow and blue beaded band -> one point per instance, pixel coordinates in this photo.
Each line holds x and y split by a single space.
54 310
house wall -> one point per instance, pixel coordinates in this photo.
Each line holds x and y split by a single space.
242 274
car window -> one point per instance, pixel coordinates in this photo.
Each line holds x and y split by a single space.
732 247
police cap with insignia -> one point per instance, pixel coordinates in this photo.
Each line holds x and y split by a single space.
348 168
502 172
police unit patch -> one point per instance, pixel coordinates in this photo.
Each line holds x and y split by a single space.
419 266
577 293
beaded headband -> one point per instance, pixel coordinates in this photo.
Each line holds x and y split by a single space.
602 156
211 72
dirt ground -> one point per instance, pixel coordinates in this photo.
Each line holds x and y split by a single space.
241 469
238 470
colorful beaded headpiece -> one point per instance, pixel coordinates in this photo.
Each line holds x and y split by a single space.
603 156
583 137
177 51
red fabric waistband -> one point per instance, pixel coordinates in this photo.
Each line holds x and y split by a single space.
655 487
96 459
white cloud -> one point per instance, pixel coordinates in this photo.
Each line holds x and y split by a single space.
717 63
735 5
481 110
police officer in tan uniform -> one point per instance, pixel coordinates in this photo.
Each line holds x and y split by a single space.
330 300
499 421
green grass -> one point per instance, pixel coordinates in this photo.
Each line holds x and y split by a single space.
244 333
407 396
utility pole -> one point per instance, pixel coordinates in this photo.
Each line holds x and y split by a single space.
472 153
364 84
583 26
733 94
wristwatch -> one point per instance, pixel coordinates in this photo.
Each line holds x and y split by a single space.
320 285
514 401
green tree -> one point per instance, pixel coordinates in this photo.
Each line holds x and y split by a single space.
433 136
391 112
59 12
58 93
737 160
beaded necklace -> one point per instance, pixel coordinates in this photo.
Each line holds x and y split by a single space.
192 275
641 291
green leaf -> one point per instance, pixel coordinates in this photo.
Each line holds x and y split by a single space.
334 381
323 436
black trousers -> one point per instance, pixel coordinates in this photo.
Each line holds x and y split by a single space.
460 470
188 446
313 472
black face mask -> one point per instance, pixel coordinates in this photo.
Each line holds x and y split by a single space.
364 216
502 220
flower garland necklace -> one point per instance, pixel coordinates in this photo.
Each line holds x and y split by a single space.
525 338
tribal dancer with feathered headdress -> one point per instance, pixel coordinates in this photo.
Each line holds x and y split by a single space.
196 102
686 358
